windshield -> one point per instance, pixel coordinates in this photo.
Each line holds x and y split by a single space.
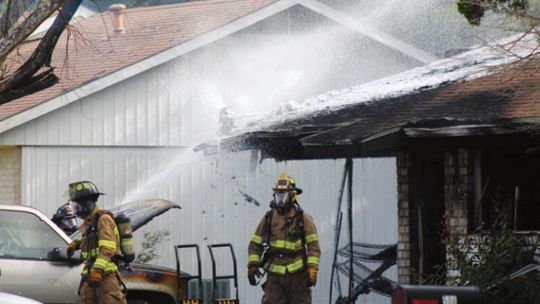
24 235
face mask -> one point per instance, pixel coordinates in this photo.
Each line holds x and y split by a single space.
83 209
282 199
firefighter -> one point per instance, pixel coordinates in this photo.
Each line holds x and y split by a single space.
99 245
65 219
286 246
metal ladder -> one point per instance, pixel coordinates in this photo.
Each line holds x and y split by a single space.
198 300
233 277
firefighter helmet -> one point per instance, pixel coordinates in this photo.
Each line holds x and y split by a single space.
84 195
286 183
82 190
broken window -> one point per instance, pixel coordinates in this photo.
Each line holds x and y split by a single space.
511 178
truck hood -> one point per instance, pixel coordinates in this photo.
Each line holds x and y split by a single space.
140 212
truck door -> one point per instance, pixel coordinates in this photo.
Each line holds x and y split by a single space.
25 268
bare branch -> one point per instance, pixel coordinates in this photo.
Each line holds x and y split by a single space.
18 33
41 57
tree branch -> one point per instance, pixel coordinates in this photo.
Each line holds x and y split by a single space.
41 56
35 84
18 33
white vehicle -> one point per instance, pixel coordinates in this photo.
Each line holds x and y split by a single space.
33 262
6 298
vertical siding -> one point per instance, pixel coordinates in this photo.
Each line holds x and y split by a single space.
151 109
209 191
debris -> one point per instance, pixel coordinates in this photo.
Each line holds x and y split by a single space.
249 198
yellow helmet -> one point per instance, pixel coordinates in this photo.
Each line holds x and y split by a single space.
286 183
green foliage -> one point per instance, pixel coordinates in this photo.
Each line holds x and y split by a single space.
152 239
486 260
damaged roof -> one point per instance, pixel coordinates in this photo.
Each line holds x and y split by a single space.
91 56
477 93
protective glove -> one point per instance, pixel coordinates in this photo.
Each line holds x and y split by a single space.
72 247
96 276
253 275
312 276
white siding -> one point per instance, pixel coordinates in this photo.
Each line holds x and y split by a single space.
155 108
213 209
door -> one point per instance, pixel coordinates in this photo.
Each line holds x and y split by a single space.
428 210
25 268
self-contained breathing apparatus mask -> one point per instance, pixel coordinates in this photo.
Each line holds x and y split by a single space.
282 201
84 208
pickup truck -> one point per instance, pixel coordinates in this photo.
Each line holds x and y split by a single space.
33 263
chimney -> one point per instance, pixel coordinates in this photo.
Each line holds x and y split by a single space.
117 10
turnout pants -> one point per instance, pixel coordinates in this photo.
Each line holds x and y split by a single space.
291 288
108 292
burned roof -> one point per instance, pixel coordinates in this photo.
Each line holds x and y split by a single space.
483 97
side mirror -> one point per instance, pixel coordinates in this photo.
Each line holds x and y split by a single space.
59 255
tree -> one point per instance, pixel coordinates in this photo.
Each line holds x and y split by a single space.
521 16
18 19
152 239
488 258
523 10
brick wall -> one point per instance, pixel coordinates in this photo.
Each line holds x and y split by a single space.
10 175
458 195
403 162
458 189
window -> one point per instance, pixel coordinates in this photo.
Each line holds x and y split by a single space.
23 235
507 181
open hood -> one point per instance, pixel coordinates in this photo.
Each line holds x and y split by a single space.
140 212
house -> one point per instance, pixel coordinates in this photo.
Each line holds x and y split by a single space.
462 132
135 97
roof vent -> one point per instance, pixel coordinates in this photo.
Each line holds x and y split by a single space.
118 17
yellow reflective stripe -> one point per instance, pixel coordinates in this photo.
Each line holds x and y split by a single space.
93 253
311 238
256 239
104 264
311 260
296 265
277 269
107 243
282 269
111 267
85 271
254 258
282 244
101 263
